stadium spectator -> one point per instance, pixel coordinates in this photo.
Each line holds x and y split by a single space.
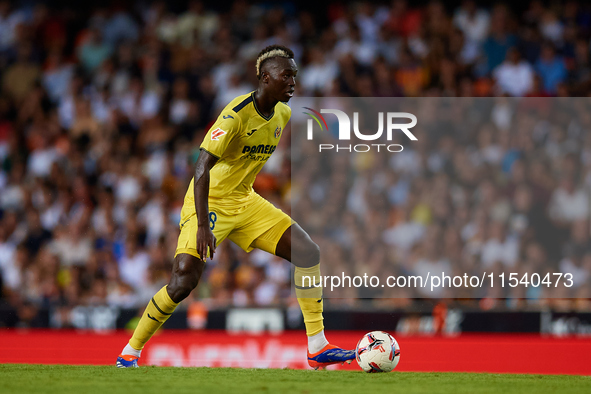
551 69
514 76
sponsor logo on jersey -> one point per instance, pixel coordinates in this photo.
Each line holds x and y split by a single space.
277 131
216 134
228 117
251 132
265 149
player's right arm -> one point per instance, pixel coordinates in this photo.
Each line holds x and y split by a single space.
205 237
213 147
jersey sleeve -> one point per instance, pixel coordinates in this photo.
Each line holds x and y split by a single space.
223 131
288 114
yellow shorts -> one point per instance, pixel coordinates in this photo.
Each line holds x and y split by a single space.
257 225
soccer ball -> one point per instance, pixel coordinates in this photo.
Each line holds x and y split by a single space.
377 351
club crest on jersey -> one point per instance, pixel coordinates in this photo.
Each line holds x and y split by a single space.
216 134
277 131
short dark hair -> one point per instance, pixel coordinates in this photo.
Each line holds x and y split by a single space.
271 52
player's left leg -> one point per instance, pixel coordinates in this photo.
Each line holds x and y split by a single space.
265 227
296 246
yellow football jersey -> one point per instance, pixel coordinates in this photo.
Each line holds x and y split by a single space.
243 140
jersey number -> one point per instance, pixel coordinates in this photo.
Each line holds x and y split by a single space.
212 219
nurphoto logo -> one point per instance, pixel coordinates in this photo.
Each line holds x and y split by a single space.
345 129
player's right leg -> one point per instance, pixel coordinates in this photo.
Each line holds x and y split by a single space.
186 273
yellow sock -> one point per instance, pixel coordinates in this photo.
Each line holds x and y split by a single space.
157 312
310 298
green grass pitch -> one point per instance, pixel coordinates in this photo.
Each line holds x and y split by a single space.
147 380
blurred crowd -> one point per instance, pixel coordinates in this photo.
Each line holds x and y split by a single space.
500 186
103 108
